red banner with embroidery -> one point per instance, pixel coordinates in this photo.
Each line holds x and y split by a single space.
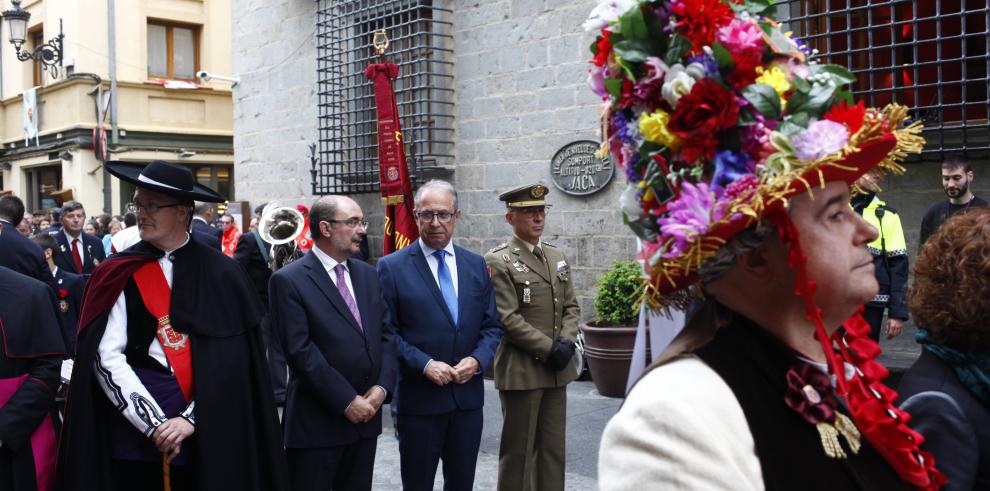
400 223
391 158
157 298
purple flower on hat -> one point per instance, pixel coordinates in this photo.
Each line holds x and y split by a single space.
709 63
729 166
688 216
822 137
655 69
596 81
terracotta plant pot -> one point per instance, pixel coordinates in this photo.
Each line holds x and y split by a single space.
609 352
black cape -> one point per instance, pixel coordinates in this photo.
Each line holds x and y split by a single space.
238 439
30 344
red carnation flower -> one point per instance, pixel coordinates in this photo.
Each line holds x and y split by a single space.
700 115
744 72
699 19
62 293
604 47
851 116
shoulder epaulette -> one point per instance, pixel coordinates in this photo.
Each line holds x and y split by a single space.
497 248
549 244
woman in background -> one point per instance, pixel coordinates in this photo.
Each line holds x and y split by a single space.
947 391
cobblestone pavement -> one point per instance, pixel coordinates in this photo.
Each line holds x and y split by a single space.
587 414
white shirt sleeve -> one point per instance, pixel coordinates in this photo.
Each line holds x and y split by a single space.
118 380
681 428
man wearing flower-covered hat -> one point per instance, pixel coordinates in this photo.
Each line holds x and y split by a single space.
169 391
740 152
535 360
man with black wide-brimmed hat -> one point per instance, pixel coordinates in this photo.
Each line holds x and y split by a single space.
168 391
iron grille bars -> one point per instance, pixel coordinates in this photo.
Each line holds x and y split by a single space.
929 55
421 43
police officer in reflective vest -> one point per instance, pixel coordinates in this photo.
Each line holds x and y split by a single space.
535 360
890 261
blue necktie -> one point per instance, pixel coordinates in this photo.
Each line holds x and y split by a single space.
446 284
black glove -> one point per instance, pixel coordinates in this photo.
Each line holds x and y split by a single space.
560 354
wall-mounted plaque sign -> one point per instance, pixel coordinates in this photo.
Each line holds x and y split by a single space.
576 170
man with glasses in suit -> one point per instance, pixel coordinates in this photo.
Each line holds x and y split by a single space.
447 328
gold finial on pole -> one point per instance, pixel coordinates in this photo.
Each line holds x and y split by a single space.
380 41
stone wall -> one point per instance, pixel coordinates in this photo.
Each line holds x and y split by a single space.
274 44
520 68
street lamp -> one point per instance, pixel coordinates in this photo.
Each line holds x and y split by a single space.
49 54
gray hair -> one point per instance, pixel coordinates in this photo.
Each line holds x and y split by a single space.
723 260
435 185
201 208
323 210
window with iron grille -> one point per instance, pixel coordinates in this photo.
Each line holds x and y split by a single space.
421 43
929 55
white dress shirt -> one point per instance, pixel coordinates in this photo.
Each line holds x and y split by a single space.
117 378
431 260
330 264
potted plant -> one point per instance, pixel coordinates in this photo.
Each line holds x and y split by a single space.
609 339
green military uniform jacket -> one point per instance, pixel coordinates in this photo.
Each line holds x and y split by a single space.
537 306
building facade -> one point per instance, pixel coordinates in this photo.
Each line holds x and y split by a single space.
517 71
129 75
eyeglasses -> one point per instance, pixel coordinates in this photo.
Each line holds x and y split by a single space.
150 209
534 210
441 216
352 222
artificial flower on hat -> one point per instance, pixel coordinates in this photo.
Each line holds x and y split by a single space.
717 117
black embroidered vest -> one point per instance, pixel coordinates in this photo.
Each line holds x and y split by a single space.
754 364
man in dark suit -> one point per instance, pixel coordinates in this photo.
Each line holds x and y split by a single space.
202 226
448 328
17 252
78 252
329 312
70 289
253 253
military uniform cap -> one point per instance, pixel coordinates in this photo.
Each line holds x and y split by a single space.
525 196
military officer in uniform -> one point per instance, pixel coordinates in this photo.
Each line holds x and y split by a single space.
535 360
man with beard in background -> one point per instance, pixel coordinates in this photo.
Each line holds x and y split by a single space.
957 176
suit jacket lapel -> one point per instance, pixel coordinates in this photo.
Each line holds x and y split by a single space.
530 259
319 276
419 260
66 250
463 280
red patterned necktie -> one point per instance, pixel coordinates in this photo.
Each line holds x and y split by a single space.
76 257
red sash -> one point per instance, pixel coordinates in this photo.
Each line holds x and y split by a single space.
157 298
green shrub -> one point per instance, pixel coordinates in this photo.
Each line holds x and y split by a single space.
615 302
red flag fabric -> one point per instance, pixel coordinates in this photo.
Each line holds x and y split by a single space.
396 187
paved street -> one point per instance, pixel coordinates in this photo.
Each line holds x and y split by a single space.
587 414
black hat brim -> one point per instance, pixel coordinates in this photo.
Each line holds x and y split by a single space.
131 172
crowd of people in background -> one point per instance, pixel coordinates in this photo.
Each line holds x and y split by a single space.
105 226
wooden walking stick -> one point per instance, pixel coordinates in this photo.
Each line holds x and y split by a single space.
166 473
